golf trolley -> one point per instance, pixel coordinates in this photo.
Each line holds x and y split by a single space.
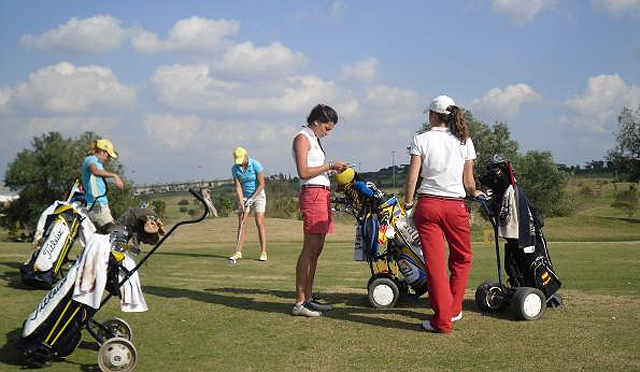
532 282
398 267
54 329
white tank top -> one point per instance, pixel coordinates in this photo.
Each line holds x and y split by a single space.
315 158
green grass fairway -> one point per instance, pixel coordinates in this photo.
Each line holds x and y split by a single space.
208 315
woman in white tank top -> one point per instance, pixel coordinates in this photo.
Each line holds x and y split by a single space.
315 203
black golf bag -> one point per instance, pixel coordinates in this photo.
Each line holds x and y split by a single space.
59 226
527 260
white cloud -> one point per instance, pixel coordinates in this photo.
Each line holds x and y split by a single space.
65 88
5 95
70 125
522 11
80 36
597 109
175 132
338 10
275 58
390 105
362 71
319 12
505 104
619 7
195 34
192 87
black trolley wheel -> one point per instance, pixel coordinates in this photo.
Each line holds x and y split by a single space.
115 327
489 296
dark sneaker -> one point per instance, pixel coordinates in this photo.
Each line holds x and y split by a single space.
304 310
318 305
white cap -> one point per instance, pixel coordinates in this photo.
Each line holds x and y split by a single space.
440 105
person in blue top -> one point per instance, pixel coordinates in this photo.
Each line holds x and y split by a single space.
249 180
93 183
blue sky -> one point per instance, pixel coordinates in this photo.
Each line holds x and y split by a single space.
176 85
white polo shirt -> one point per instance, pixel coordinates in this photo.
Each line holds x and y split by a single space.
443 159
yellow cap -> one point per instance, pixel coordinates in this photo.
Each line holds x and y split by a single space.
238 155
106 145
345 176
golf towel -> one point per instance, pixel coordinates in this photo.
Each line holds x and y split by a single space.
132 300
92 271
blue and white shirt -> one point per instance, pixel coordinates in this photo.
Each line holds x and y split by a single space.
248 178
93 186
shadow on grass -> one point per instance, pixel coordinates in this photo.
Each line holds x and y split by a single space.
8 353
356 309
13 277
623 219
196 255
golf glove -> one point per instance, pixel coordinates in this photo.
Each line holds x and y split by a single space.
248 203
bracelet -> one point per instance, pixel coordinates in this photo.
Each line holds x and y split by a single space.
408 206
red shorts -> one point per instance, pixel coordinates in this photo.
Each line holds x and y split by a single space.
315 206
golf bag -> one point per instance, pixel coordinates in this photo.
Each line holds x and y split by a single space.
53 329
59 226
386 239
527 260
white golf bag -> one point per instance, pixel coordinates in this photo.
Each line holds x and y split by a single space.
58 227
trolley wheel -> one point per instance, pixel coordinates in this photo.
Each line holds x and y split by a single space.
528 303
489 296
383 293
116 327
117 354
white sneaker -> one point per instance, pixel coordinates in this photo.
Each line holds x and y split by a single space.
263 256
427 326
236 256
303 310
457 317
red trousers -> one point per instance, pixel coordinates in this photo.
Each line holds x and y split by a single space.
437 219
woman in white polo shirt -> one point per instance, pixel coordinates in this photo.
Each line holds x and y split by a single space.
445 156
315 203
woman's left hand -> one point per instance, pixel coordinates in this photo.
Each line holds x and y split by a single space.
339 166
477 193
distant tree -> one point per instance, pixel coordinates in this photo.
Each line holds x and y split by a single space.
625 157
160 208
595 166
627 201
46 172
543 183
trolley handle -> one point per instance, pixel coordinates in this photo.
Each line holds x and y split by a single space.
129 273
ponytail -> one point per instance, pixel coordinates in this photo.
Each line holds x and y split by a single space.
456 124
92 147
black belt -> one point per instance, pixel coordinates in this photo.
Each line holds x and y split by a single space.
316 187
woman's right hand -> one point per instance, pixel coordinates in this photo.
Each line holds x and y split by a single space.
118 182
